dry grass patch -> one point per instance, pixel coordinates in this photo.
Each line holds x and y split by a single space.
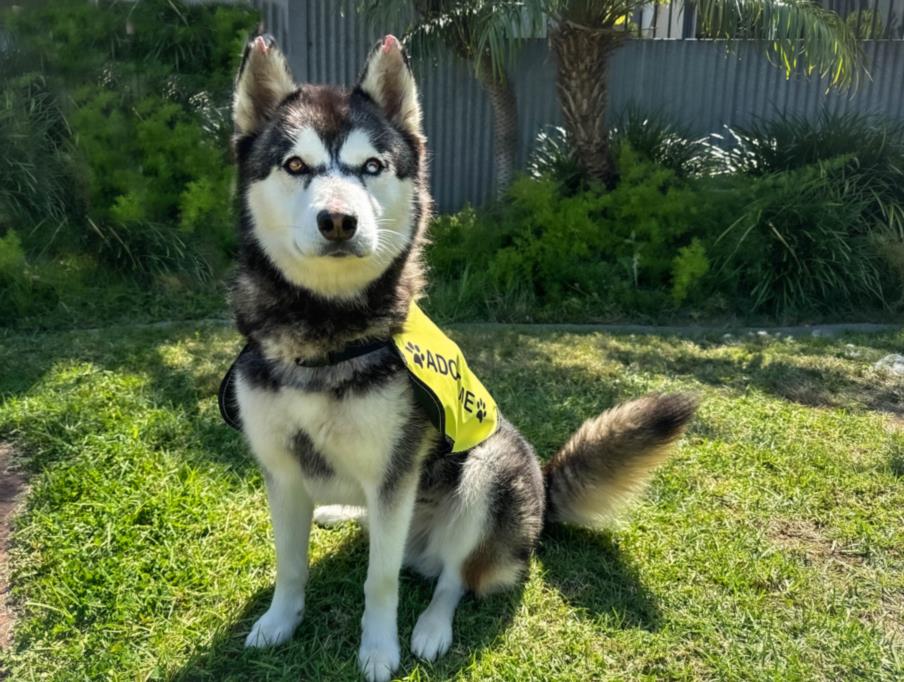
806 539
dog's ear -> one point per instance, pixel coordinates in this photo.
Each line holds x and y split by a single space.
263 81
387 79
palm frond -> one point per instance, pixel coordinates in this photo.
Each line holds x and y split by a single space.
799 35
474 30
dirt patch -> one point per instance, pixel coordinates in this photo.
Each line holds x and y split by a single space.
12 488
807 539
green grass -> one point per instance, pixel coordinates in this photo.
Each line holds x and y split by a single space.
771 546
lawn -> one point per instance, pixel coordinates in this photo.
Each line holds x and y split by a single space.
771 546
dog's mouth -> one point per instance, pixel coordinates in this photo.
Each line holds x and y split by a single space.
341 251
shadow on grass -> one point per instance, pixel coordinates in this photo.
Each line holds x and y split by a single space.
591 574
809 386
178 397
325 645
585 567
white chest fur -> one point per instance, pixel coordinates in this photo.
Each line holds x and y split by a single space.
355 434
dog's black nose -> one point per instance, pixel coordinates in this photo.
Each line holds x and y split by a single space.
337 227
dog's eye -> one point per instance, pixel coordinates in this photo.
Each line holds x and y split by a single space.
295 166
372 167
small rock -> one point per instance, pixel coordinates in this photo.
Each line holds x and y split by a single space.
893 363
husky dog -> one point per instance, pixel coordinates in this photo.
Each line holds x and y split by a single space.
334 208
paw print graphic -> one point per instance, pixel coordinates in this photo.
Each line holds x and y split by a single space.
481 411
415 351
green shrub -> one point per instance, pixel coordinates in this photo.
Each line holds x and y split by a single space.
151 42
649 215
142 144
795 222
825 215
552 156
873 150
548 253
12 258
652 137
688 269
656 138
160 183
39 189
22 290
798 245
789 142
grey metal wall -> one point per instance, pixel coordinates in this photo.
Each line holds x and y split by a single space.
701 84
696 82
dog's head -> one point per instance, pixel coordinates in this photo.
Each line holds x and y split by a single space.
331 179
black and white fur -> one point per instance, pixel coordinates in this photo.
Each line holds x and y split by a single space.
330 256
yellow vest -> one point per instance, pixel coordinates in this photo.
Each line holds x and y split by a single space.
454 399
465 410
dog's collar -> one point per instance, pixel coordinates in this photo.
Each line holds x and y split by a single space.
351 351
229 408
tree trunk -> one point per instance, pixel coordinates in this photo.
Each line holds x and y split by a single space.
505 122
582 64
498 87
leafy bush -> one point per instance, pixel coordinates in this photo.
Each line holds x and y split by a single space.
134 168
27 289
825 214
789 142
552 156
38 180
652 137
688 269
655 138
873 149
159 182
547 253
13 282
795 246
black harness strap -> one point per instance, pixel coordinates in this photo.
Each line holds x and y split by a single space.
350 352
229 406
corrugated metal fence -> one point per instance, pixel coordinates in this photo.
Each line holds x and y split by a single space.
697 83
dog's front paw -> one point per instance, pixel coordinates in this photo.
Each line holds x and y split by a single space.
273 628
432 637
378 658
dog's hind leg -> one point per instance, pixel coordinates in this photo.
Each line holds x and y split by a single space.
331 515
432 634
457 523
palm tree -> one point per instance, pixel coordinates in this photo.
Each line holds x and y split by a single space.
796 34
483 34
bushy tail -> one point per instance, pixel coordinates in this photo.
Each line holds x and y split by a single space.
611 457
